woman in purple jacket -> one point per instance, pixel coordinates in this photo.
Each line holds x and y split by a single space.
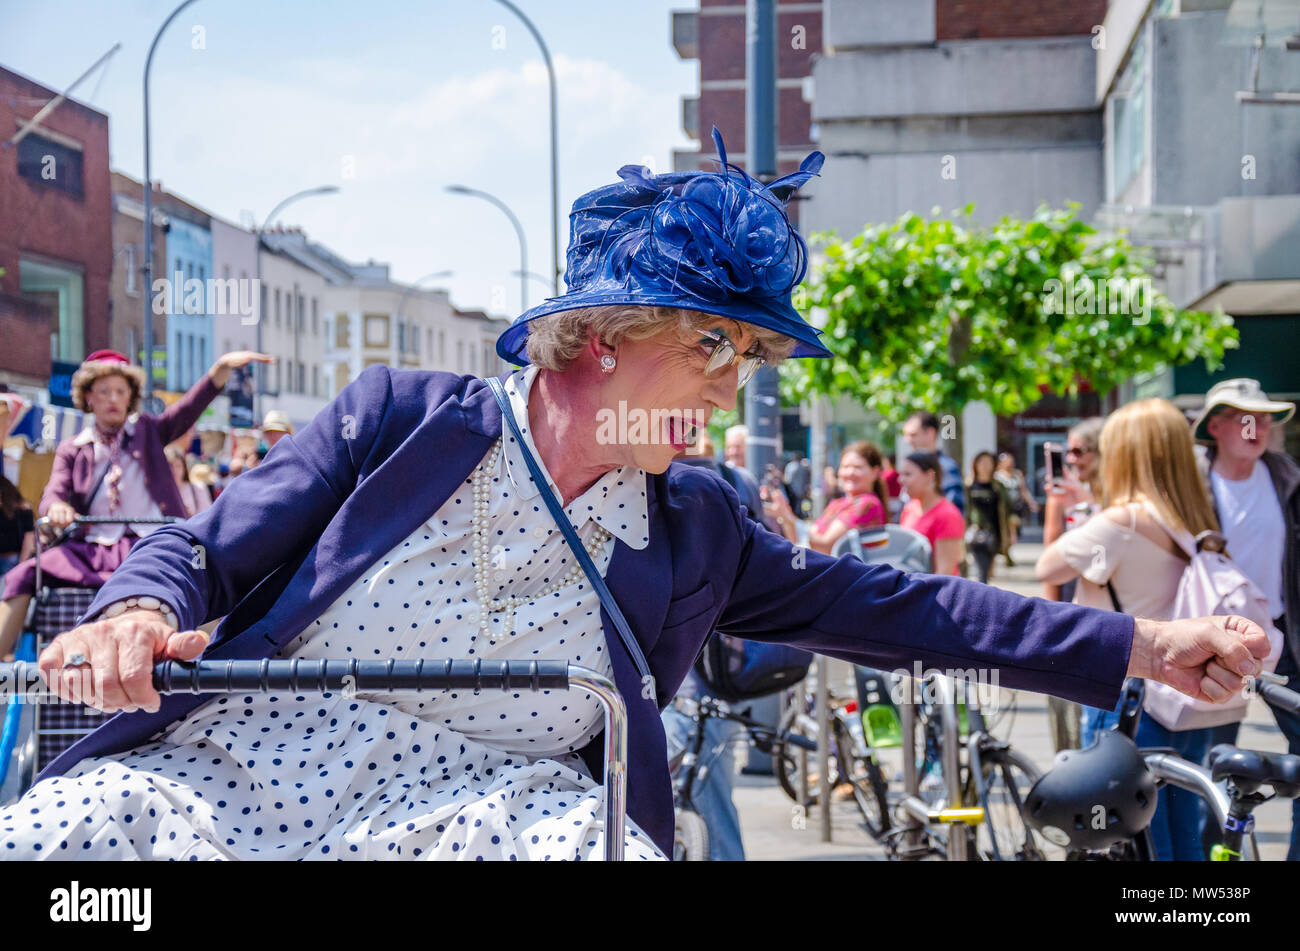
114 467
403 522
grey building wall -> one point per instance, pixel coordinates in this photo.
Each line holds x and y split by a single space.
1005 124
1200 131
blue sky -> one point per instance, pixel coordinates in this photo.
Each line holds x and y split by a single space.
390 99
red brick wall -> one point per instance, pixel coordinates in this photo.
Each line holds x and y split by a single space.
985 19
722 44
725 108
126 310
45 221
25 330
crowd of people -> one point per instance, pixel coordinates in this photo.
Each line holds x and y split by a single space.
1136 490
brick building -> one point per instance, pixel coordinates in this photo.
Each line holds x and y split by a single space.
715 35
126 287
56 244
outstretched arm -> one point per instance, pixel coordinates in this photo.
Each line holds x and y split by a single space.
874 615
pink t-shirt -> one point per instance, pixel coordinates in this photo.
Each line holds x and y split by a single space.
855 511
943 521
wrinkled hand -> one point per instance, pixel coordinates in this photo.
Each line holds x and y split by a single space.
122 651
1206 658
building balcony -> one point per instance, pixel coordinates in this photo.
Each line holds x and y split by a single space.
686 33
958 78
691 116
852 24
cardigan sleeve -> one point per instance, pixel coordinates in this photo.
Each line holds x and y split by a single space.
880 617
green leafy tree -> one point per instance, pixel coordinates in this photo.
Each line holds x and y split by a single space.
937 313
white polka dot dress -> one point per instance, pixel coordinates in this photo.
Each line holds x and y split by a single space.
448 775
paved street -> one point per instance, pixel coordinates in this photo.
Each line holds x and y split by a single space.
768 821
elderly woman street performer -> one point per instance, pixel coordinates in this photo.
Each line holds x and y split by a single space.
402 522
114 467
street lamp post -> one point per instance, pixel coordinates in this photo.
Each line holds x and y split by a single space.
148 214
523 245
260 370
533 276
555 162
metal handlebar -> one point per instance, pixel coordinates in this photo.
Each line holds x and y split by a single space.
22 682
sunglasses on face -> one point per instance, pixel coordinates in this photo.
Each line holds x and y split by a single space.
722 354
1077 452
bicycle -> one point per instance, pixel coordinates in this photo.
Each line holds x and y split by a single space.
852 761
1098 802
978 816
691 766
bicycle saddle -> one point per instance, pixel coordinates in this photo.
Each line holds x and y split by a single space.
1250 769
1093 798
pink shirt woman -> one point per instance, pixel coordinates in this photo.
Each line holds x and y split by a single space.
930 513
862 504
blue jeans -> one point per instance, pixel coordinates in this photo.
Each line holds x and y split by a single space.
711 795
1177 823
1289 724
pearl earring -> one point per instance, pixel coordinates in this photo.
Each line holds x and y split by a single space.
607 363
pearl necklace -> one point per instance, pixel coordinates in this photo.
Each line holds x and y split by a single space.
489 605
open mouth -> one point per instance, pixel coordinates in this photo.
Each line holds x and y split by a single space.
681 433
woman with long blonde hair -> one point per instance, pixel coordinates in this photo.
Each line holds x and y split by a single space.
1127 559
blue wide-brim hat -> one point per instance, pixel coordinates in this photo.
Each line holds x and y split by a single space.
717 242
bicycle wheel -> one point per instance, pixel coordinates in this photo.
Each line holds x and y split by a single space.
1006 779
690 836
788 763
868 782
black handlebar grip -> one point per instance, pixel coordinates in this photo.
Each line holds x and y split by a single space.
373 676
1279 696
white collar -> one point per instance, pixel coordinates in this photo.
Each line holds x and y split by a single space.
88 434
617 500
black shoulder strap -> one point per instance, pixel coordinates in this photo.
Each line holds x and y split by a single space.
1113 598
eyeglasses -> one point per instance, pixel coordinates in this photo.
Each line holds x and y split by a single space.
722 354
1077 452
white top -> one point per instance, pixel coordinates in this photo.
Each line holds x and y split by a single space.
133 491
1250 517
1144 574
434 775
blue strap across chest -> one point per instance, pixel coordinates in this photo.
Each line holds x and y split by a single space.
570 534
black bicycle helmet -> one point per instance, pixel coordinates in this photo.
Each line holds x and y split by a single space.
1093 798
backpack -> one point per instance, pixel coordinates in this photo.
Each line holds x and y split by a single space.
734 669
1211 584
